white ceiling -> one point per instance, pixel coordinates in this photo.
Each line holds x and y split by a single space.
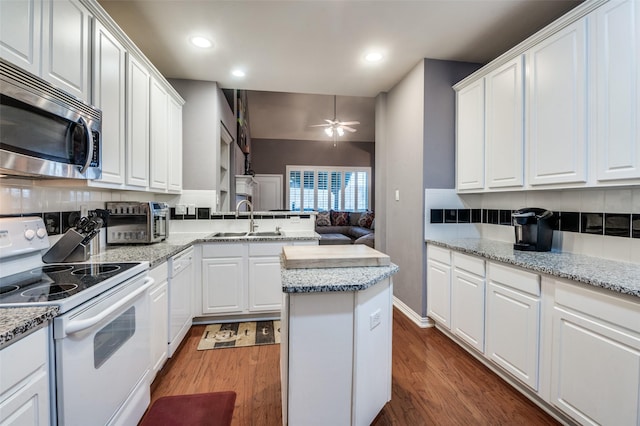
317 46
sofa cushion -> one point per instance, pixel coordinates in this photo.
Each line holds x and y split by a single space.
333 230
334 239
323 219
366 219
358 231
368 240
339 218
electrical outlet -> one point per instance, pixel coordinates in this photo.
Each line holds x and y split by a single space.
191 209
181 209
84 210
374 319
295 219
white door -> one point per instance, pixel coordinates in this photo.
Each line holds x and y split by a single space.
175 145
268 193
557 107
109 83
467 307
137 124
470 137
439 292
265 284
223 285
617 77
505 125
66 52
158 137
20 33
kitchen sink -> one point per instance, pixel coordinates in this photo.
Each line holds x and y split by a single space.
228 234
264 234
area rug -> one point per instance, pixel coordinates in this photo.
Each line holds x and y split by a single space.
238 334
203 409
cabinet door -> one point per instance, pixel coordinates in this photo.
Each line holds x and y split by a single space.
158 137
109 84
265 284
66 54
223 285
20 29
470 137
159 308
617 76
467 308
175 145
513 324
137 124
505 126
556 104
439 292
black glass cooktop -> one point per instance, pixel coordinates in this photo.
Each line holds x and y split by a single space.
55 282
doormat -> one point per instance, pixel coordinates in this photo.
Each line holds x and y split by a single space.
238 334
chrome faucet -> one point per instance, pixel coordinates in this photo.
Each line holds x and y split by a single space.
252 223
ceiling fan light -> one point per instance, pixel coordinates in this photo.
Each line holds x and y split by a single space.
340 131
329 131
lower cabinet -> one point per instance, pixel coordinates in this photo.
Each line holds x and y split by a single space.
595 356
513 322
159 309
439 285
24 388
467 299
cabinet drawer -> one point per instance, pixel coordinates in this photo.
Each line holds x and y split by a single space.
440 254
224 250
469 263
266 249
25 357
515 278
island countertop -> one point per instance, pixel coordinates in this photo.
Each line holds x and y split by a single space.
16 323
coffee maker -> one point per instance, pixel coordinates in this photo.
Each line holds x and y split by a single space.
533 229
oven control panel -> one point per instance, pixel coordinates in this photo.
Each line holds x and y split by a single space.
20 235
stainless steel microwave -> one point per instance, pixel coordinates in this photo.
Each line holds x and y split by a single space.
45 131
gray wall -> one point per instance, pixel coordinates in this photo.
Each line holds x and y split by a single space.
416 151
270 156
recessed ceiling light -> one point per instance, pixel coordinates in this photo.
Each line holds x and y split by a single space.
201 42
238 73
373 57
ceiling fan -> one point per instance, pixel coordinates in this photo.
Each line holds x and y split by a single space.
335 126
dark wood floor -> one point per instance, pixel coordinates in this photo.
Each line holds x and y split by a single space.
435 382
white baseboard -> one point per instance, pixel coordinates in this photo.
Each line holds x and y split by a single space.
422 322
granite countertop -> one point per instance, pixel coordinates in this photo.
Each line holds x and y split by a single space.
318 280
16 323
622 277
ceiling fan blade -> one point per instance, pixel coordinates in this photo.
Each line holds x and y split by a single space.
349 129
320 125
348 123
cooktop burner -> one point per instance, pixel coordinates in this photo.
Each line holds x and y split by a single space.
56 282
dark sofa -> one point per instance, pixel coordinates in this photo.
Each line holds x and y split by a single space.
354 229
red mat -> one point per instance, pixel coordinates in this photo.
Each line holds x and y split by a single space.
210 409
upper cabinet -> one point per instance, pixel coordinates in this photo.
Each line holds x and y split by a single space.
556 107
159 147
560 109
617 92
137 124
175 145
50 39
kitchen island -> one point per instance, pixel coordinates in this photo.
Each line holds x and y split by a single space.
336 344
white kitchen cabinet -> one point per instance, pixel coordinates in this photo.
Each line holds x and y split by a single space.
556 106
617 85
20 33
158 136
66 49
470 137
513 321
24 387
159 310
137 160
504 121
595 355
224 278
175 145
265 284
439 285
467 299
109 94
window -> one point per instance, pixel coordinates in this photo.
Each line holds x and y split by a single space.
328 188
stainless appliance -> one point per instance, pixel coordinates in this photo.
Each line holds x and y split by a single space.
137 222
44 131
100 333
533 229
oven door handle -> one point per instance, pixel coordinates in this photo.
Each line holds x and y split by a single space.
79 325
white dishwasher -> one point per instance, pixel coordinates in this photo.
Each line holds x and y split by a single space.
180 282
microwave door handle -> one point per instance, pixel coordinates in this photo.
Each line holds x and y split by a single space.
79 325
87 132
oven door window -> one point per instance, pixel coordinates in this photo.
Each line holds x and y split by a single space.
110 338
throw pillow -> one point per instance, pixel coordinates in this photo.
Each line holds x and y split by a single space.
323 219
339 218
366 219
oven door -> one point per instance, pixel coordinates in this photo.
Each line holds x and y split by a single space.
102 356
